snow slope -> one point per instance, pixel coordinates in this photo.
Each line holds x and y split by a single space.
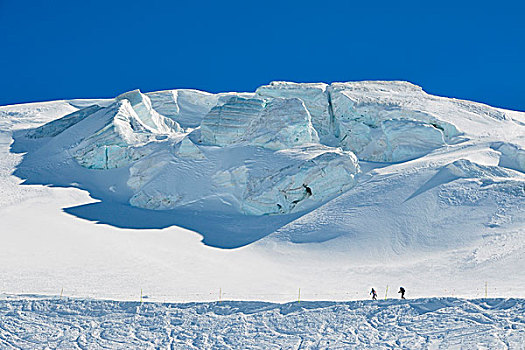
442 323
328 188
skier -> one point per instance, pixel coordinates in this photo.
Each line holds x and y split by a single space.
373 293
402 291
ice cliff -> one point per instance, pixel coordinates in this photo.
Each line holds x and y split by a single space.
287 147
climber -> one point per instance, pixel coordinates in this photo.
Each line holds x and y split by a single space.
308 190
374 294
402 291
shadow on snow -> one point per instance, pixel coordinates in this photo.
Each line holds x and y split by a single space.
218 229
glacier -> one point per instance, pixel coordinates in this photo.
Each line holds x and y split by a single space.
327 188
285 148
512 156
389 122
163 137
226 124
314 180
314 96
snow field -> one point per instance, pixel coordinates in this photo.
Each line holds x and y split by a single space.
367 184
440 323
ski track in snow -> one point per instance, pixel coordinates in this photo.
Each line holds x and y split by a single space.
434 323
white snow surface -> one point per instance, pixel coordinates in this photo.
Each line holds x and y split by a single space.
329 188
441 323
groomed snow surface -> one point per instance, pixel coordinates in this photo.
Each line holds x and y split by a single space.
333 189
438 323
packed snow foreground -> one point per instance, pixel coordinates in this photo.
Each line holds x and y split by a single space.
440 323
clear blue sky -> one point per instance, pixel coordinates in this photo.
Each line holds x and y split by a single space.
67 49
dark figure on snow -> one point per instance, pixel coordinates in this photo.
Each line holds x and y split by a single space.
373 293
402 291
308 190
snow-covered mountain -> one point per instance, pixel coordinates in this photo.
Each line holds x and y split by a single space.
287 148
374 181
